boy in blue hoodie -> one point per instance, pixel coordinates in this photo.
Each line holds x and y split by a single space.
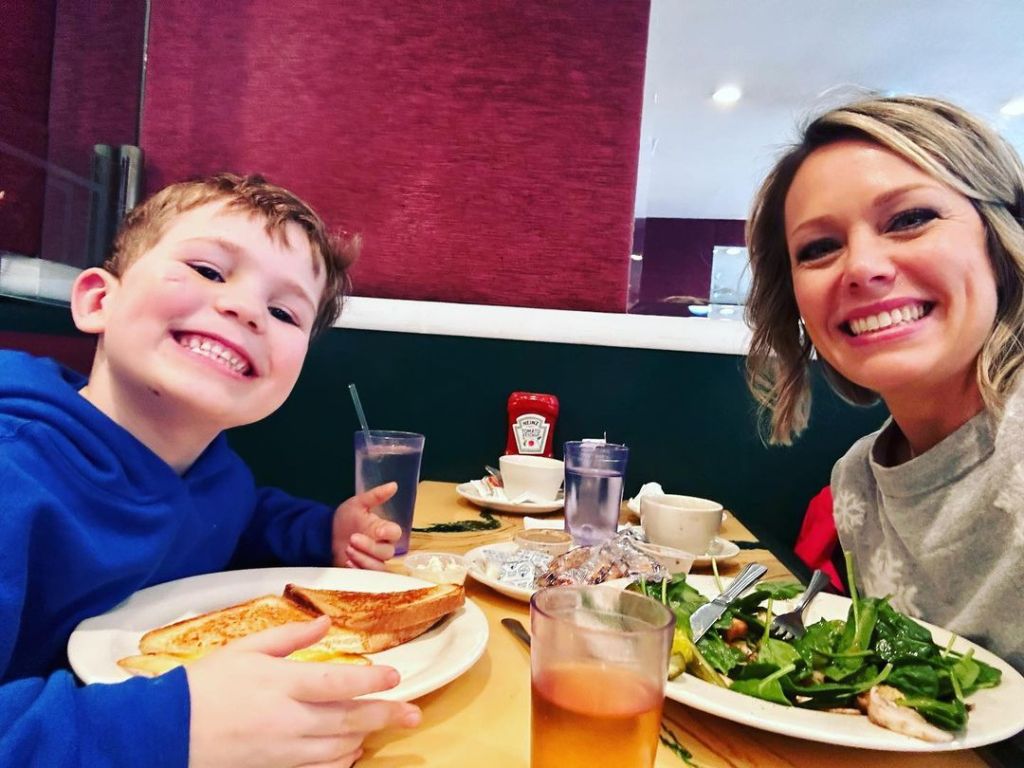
203 315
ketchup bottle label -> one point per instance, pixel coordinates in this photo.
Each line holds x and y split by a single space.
531 423
531 432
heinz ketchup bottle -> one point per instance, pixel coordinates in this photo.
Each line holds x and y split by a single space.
531 423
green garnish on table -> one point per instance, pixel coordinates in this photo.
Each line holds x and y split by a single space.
488 522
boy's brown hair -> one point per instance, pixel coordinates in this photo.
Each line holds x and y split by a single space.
146 223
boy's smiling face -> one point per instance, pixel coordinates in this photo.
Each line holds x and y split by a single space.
209 328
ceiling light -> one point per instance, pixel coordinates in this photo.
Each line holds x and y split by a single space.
727 95
1014 107
636 257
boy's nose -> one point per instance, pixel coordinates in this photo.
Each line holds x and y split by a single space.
243 308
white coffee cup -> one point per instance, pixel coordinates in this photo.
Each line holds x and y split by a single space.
538 477
688 523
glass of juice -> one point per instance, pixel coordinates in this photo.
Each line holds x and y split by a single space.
594 476
383 456
598 665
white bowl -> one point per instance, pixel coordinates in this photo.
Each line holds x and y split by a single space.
536 477
688 523
672 560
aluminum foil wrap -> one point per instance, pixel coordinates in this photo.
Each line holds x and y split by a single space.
518 568
616 558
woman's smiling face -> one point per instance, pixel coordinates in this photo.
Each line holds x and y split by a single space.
890 271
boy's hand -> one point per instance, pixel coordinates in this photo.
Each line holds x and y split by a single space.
361 539
254 710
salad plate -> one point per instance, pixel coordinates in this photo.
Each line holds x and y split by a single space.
996 714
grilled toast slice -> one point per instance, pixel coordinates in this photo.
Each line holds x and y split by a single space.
380 612
198 635
155 664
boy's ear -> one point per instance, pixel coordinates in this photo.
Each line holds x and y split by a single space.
89 295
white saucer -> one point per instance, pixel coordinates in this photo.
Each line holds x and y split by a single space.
721 550
470 494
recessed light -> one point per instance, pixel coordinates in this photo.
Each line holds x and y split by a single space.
727 95
1014 107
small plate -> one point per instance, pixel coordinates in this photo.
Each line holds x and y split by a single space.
475 559
721 550
469 493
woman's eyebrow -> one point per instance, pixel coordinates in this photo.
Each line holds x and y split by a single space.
880 201
291 287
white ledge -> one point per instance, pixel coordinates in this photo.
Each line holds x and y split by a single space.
683 334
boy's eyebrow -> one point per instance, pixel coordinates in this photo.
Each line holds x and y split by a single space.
236 250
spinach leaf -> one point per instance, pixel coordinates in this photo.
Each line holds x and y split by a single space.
718 653
915 680
900 638
951 715
768 688
819 641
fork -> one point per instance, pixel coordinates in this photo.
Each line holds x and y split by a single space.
790 626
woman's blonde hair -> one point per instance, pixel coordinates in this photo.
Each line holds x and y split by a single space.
953 147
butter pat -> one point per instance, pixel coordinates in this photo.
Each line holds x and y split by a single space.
438 567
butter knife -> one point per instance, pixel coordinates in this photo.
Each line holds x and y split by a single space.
516 628
705 617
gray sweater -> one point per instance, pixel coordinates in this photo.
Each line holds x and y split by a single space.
943 533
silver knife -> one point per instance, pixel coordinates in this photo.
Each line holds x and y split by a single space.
705 617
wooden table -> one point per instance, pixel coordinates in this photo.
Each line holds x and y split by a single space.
483 717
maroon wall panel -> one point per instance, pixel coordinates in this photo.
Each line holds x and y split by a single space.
26 47
485 149
677 256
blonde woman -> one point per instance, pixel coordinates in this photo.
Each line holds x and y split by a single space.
889 243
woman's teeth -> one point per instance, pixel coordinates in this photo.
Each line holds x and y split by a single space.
899 316
215 351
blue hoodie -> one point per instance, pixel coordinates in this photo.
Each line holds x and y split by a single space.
89 515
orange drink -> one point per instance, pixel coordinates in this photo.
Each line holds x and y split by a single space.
598 664
585 716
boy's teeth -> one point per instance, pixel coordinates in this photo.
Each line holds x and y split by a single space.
215 351
898 316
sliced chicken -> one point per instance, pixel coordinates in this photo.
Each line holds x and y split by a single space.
881 708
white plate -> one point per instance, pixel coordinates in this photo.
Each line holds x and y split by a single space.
997 713
721 550
469 493
475 559
426 663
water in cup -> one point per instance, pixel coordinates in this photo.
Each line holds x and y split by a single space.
594 478
385 457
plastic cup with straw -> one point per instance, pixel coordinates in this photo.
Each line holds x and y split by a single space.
382 456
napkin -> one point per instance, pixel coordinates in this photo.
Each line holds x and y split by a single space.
553 522
487 491
646 489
